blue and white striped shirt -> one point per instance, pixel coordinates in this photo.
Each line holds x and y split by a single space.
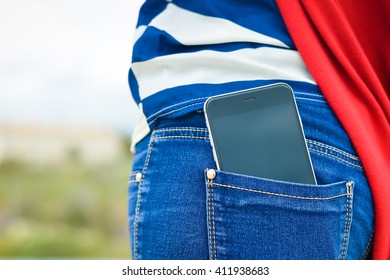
186 51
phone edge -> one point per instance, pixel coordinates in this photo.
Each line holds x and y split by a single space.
245 90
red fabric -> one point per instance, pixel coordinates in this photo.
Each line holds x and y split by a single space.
346 47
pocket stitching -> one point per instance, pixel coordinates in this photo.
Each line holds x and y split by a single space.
313 100
338 158
133 184
180 103
211 221
280 194
182 129
310 94
186 137
322 145
173 111
347 225
139 196
214 231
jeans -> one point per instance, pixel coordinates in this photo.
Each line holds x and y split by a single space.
177 211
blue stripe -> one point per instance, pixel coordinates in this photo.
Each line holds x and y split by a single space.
134 87
149 10
154 43
260 16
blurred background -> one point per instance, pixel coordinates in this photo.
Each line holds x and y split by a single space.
66 116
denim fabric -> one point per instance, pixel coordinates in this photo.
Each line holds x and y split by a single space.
310 222
177 212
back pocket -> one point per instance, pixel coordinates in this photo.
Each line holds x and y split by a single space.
255 218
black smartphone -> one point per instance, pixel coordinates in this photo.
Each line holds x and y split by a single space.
258 132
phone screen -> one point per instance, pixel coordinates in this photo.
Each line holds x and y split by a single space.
258 132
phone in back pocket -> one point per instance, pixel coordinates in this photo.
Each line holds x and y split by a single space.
258 132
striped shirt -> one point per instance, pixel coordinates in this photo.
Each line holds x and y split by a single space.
186 51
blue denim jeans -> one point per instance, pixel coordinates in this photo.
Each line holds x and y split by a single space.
177 212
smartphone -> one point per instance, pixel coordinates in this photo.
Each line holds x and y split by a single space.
258 132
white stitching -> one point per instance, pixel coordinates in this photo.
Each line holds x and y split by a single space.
209 219
305 93
347 224
314 100
368 247
200 98
281 194
191 105
309 141
192 137
332 149
343 160
170 112
214 230
182 129
180 103
139 196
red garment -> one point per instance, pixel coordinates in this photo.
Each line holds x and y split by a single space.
346 47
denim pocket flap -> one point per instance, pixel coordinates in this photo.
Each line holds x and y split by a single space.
257 218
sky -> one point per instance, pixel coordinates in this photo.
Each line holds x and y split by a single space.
66 62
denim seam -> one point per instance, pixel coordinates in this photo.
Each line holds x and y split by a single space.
281 194
139 196
313 100
182 129
203 98
214 230
347 225
336 157
170 112
210 220
368 247
305 93
322 145
190 137
177 104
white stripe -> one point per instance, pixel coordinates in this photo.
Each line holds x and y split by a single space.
140 131
139 31
190 28
214 67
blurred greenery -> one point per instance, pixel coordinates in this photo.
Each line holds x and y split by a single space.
69 211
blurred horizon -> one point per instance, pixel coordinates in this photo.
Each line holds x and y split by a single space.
66 115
